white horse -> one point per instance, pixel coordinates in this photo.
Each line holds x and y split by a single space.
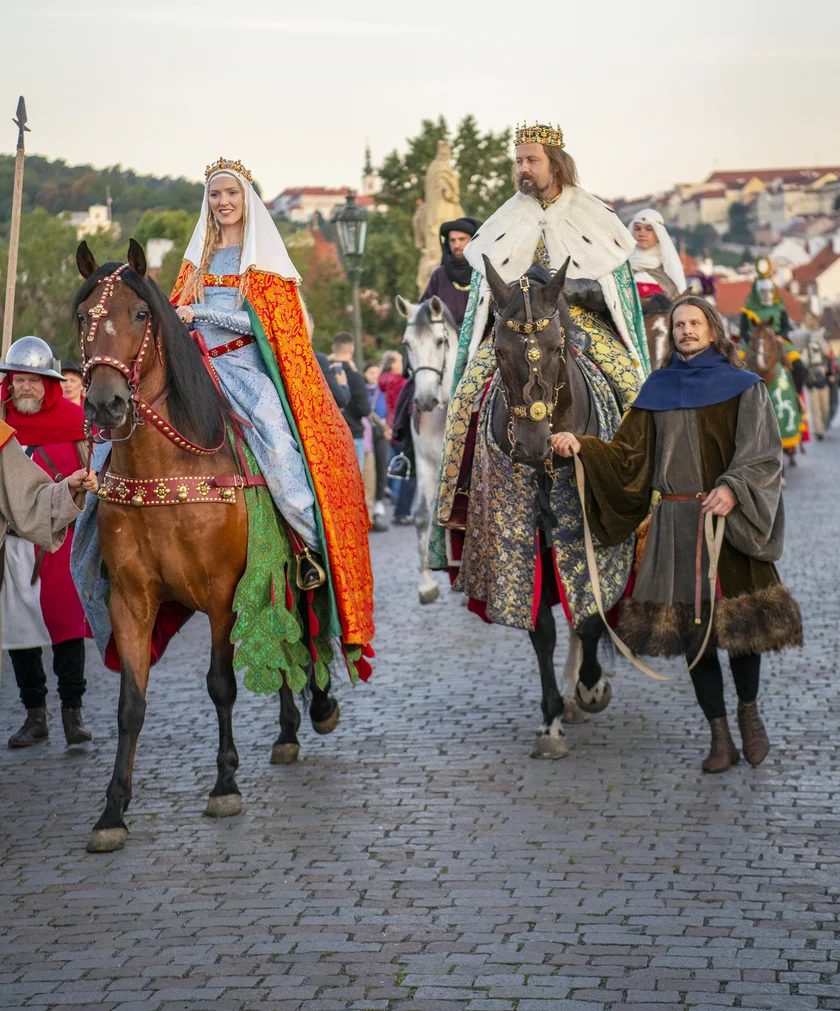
430 341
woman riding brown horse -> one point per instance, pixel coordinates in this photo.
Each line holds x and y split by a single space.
149 389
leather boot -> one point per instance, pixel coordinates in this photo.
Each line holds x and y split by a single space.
33 731
74 729
753 735
723 752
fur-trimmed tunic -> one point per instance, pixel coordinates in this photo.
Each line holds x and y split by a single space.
682 452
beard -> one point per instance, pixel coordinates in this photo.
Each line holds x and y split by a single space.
527 186
27 405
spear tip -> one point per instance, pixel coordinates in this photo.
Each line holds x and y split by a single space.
20 121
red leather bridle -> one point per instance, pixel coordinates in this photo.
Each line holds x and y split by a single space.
142 412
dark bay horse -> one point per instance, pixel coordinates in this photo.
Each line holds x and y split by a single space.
139 355
545 392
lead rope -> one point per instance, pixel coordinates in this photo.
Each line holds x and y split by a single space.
714 542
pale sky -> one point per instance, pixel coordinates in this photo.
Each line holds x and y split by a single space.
646 93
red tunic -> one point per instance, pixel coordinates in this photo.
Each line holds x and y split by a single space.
62 423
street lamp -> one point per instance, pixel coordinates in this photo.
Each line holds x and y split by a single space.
351 225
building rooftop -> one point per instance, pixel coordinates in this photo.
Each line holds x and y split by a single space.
731 295
811 271
803 176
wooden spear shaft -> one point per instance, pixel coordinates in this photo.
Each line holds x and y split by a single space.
14 229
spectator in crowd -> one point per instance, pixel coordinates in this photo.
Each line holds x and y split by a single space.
74 388
391 382
358 405
381 444
336 380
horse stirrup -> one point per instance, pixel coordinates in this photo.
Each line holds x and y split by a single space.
309 576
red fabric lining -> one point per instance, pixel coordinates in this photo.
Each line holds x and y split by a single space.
171 617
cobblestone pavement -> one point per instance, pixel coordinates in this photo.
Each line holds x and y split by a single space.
417 859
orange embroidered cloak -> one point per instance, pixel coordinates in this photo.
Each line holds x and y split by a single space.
325 442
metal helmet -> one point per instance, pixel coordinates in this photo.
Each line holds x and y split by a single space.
31 354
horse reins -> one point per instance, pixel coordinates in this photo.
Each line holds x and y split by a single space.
714 541
141 410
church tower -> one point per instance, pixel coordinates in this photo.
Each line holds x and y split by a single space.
371 183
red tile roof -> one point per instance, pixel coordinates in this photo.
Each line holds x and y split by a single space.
811 271
789 175
731 295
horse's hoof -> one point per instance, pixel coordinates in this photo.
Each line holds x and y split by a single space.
594 699
429 595
284 754
107 840
548 746
226 806
572 713
330 723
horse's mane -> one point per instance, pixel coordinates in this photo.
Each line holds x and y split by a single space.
196 407
656 305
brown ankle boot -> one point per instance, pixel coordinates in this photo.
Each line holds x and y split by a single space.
753 735
33 731
723 752
74 729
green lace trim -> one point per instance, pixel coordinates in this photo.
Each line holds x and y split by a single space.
268 637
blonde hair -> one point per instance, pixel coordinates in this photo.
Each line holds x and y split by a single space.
194 288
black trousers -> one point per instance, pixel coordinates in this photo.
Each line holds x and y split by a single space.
381 453
707 678
69 667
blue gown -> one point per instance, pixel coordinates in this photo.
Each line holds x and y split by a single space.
250 391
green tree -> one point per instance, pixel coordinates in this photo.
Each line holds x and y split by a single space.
47 278
739 225
485 165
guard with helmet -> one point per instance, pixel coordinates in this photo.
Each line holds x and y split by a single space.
40 606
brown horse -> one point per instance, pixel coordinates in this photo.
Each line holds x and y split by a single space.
145 378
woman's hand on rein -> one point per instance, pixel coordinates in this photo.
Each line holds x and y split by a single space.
564 444
186 313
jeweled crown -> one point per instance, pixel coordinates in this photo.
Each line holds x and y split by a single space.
539 133
223 163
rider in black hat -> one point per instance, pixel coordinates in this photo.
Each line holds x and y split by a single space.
451 280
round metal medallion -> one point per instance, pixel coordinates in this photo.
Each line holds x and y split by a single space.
538 411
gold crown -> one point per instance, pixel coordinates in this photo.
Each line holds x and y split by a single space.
539 133
233 166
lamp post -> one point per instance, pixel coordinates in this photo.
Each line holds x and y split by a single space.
351 225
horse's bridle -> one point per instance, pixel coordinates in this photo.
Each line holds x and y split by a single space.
532 410
141 410
441 372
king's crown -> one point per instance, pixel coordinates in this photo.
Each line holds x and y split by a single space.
539 133
223 163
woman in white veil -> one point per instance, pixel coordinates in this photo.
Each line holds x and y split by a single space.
655 261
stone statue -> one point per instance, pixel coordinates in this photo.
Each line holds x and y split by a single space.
442 203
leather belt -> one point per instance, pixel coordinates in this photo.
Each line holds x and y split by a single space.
223 349
698 558
163 491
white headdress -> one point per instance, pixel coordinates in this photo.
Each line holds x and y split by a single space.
665 256
262 246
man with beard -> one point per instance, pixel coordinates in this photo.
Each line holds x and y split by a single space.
451 280
701 433
549 220
40 605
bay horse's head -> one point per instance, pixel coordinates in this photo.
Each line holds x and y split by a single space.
430 341
532 320
764 350
129 334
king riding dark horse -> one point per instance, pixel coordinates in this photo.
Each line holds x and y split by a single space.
545 391
147 384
